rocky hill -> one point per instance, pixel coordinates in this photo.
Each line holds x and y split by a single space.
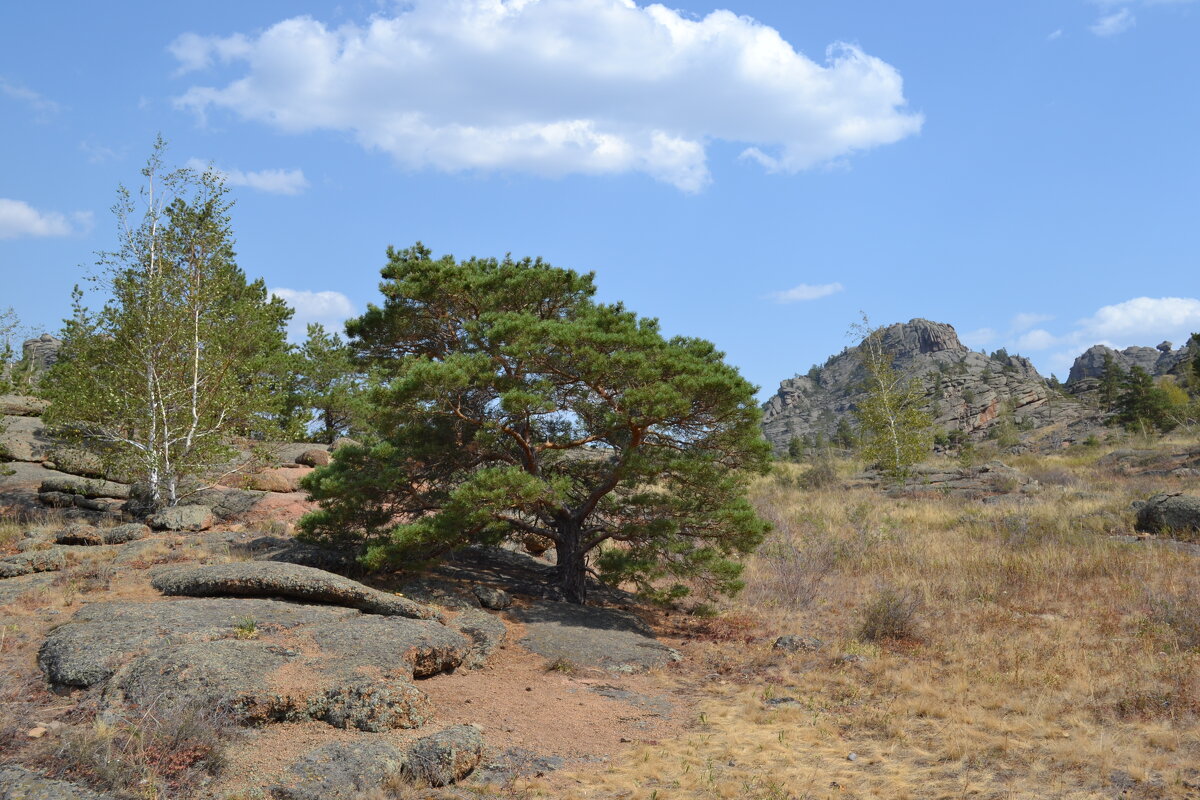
964 390
1161 360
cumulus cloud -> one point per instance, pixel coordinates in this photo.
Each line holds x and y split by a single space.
18 219
806 291
1114 23
557 87
978 337
329 308
272 181
1139 321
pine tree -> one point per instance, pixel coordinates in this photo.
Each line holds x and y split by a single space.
185 352
1112 378
511 404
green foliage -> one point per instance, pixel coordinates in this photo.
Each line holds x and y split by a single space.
796 449
327 388
510 403
1112 378
844 436
1144 404
895 430
185 352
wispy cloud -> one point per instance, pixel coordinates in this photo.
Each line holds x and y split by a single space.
272 181
557 87
1115 23
1057 34
19 219
41 106
806 291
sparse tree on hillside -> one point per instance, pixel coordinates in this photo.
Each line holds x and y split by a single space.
513 404
1112 379
1143 404
895 430
184 354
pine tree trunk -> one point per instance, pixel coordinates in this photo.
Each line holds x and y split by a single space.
571 572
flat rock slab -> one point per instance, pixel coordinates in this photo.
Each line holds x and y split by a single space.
275 579
21 784
486 632
596 637
87 487
25 439
419 648
49 560
20 405
103 636
340 771
11 589
446 757
248 679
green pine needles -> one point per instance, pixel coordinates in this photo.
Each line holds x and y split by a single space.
509 403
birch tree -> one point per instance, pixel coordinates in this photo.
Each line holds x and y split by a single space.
896 430
184 353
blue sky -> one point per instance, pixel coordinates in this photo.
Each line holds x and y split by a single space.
755 173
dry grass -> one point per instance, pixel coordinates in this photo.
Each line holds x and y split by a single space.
1047 659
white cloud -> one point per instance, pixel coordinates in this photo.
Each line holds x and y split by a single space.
1038 339
18 218
1026 320
557 87
39 104
806 292
1057 34
329 308
272 181
1114 23
978 338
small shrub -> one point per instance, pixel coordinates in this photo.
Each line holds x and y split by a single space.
1178 613
891 614
563 666
160 754
246 628
821 474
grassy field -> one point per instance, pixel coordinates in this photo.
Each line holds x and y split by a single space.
970 650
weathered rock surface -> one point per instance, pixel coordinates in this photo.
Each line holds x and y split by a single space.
103 636
1170 514
373 705
48 560
491 597
290 551
12 588
17 783
277 479
276 579
446 757
19 405
1161 360
41 353
183 518
392 645
964 390
87 487
796 644
24 439
486 632
341 771
314 458
986 480
589 636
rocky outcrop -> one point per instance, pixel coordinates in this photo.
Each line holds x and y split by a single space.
283 580
446 757
1171 514
594 637
17 783
1156 361
964 390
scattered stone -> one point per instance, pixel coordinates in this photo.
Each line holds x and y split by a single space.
796 644
782 702
81 534
852 757
17 783
50 560
515 762
56 499
122 534
278 479
392 645
103 636
373 706
344 441
1169 513
658 706
589 636
86 487
341 771
491 597
486 632
276 579
314 458
446 757
183 518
